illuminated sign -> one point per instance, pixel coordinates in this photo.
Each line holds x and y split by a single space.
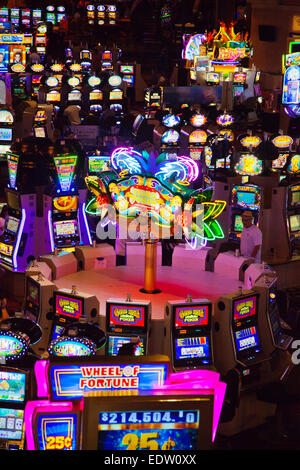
72 381
65 166
191 315
12 386
227 53
13 345
244 308
12 162
72 347
248 165
282 141
57 431
251 141
6 249
125 315
224 120
291 85
67 306
294 166
198 137
65 203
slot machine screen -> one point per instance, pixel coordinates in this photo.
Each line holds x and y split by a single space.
115 342
129 79
65 228
12 225
33 292
57 331
36 79
191 315
5 134
294 222
239 78
280 161
238 223
53 97
96 164
39 132
115 95
171 120
127 69
127 317
13 386
74 96
190 348
244 308
237 91
65 204
170 137
175 423
245 198
67 305
295 196
246 339
11 424
213 77
96 96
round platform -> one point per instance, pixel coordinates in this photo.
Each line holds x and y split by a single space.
175 284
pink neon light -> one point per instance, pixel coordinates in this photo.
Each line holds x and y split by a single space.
41 375
193 170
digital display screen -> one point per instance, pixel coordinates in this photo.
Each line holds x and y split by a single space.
191 315
32 292
196 347
65 228
127 69
129 430
238 223
11 424
246 197
279 162
170 137
68 306
212 77
5 134
295 222
13 200
126 315
197 137
97 164
198 120
12 386
129 79
57 431
96 95
39 132
244 308
116 107
238 90
53 97
74 96
65 204
36 79
246 338
115 342
170 120
239 77
12 225
295 196
115 95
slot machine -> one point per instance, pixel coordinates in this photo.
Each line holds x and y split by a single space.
69 306
85 58
68 225
107 61
4 20
60 13
15 18
14 393
212 78
26 19
37 72
38 307
40 123
188 334
127 73
19 80
243 197
166 137
111 11
50 14
53 92
100 15
74 96
127 321
36 17
6 132
153 101
193 136
41 39
116 94
95 95
91 14
238 84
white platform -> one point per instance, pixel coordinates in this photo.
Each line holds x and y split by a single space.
175 284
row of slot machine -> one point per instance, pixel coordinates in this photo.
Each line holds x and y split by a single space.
40 223
26 19
241 331
101 14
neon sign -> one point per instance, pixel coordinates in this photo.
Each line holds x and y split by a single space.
248 165
191 316
73 381
65 166
13 345
68 306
